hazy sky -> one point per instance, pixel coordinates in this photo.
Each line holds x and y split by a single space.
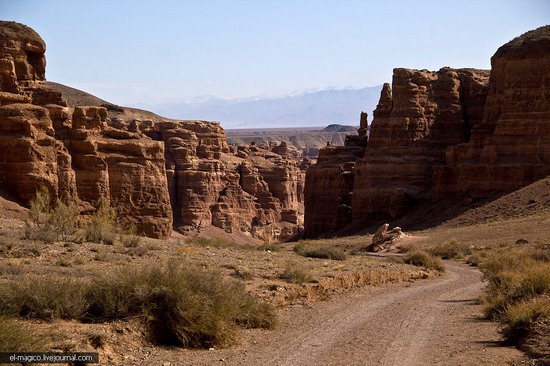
150 51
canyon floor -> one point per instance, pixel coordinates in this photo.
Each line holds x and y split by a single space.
362 310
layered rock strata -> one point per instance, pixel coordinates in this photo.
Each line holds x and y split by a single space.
452 133
510 147
153 171
422 114
72 152
329 184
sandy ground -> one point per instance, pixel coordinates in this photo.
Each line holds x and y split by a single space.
432 322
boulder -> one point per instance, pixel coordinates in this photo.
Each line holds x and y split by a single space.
384 239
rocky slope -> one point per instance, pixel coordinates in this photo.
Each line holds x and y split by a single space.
153 170
447 135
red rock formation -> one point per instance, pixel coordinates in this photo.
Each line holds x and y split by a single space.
329 184
510 147
413 124
145 167
127 168
210 186
438 135
76 155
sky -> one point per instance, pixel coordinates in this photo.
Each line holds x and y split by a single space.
153 51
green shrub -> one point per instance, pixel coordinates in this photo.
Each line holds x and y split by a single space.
425 260
16 337
49 225
102 229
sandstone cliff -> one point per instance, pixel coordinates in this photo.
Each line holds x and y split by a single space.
417 118
329 184
510 147
153 170
72 152
445 135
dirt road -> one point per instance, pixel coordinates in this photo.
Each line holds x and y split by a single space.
431 322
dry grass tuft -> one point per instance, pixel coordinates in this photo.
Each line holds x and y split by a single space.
451 250
518 294
269 248
202 241
311 250
293 274
16 337
425 260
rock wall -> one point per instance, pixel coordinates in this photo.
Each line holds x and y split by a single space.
209 185
72 151
329 184
153 171
416 119
510 148
445 135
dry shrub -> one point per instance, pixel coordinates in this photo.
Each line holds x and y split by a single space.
269 248
182 305
518 318
130 241
294 274
43 297
451 250
518 293
509 285
202 241
425 260
323 252
102 228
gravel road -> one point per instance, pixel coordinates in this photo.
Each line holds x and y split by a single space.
429 322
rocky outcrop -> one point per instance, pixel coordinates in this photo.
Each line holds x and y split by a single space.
152 170
210 184
383 238
510 147
72 152
329 184
452 133
416 119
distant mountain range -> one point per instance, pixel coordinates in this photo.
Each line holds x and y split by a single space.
319 108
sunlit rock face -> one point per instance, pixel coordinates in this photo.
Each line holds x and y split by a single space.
73 152
417 118
510 147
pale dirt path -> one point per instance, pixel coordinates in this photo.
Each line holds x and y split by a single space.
430 322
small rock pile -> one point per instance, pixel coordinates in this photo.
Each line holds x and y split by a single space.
384 239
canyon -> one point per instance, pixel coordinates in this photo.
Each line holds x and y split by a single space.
452 135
